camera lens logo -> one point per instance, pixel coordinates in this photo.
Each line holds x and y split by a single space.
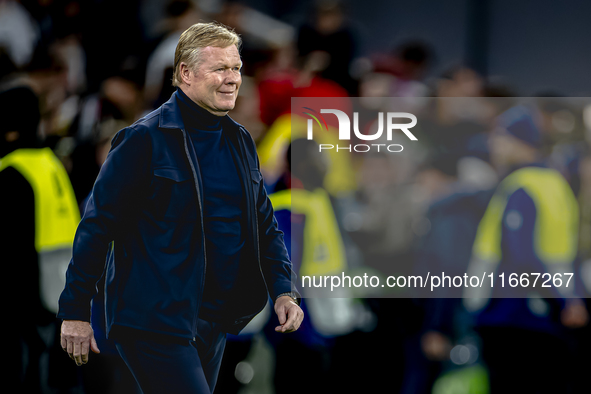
310 133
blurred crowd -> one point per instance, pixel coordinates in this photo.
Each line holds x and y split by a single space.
95 67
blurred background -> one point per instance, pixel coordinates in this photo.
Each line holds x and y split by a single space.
73 73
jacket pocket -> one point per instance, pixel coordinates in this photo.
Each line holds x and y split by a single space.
172 173
173 195
256 175
257 180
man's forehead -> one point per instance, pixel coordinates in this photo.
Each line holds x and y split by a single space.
229 53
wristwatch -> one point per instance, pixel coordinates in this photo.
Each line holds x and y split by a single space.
292 294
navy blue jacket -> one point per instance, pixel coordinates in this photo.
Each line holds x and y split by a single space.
147 200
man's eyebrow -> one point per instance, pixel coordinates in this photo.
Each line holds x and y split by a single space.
223 65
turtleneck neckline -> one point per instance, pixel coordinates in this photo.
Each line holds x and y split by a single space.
196 116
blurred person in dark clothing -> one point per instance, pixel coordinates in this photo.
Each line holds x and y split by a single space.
305 212
111 32
180 210
404 70
59 25
56 19
46 75
180 14
453 216
119 97
458 121
118 100
40 215
329 33
529 226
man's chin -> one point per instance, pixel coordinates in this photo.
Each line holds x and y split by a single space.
225 107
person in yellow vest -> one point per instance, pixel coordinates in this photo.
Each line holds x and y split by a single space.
39 216
529 227
305 213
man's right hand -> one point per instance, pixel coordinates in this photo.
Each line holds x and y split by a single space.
77 337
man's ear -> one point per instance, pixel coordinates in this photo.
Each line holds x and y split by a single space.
185 73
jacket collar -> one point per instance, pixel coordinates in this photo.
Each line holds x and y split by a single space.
170 115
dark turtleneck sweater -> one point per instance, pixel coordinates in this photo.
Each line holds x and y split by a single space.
223 204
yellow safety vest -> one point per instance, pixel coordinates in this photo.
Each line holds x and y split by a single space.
56 216
323 250
557 216
323 254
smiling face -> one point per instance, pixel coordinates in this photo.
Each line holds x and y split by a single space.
214 82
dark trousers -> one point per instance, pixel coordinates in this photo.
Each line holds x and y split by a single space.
167 364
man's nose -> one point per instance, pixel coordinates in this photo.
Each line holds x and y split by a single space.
233 78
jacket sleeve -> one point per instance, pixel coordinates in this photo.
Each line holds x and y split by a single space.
108 212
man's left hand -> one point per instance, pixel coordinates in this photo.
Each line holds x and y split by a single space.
289 313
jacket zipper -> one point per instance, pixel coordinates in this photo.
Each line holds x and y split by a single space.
201 219
256 216
254 208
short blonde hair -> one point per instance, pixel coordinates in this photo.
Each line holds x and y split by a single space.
197 37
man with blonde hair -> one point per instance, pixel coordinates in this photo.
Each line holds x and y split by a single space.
181 216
